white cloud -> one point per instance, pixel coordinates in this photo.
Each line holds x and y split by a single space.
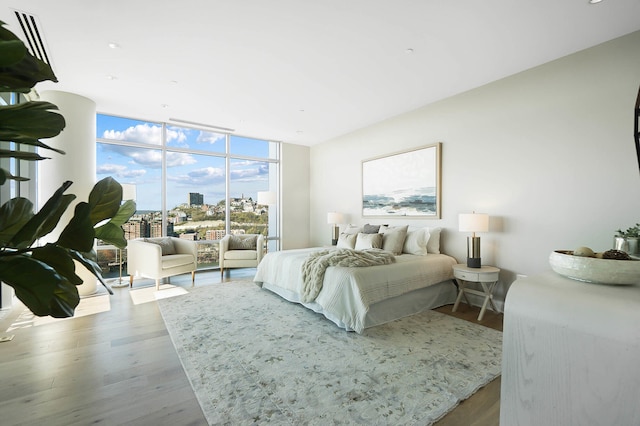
144 133
178 137
249 171
203 176
209 137
119 171
151 158
179 159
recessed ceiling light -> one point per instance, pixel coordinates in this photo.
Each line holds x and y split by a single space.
594 1
111 77
164 106
408 51
113 45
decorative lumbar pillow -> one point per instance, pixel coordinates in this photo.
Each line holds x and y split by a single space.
368 241
166 244
416 242
370 229
347 240
243 242
393 238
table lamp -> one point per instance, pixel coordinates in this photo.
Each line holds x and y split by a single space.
334 219
473 222
266 198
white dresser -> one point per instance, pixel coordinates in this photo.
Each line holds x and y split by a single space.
571 353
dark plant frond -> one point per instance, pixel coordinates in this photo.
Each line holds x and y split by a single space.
45 220
105 199
30 121
14 215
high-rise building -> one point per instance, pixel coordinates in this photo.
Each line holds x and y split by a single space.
136 227
215 234
155 228
196 199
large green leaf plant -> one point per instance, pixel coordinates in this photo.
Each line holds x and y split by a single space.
44 275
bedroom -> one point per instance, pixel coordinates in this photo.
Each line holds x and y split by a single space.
548 153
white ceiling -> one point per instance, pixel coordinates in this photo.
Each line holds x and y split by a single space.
303 71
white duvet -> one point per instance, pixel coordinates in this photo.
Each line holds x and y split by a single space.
348 292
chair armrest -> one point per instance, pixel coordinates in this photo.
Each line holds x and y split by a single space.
223 246
185 246
260 247
143 256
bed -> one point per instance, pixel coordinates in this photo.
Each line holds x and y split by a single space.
356 298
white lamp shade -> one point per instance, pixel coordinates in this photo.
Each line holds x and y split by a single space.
128 191
335 218
266 198
473 222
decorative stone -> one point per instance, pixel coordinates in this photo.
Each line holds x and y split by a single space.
584 251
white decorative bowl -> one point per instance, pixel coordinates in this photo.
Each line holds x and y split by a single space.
594 270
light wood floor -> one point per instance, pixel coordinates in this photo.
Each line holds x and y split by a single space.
119 366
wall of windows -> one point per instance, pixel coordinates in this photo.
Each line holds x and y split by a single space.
188 182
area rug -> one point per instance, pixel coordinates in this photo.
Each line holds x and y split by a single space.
254 358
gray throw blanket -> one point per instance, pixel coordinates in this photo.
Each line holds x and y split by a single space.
316 264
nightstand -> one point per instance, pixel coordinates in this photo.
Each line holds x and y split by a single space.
487 276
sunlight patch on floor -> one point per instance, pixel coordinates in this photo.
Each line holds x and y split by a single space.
87 306
150 294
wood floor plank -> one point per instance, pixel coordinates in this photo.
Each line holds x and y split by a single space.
119 366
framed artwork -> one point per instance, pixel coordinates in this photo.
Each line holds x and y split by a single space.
403 184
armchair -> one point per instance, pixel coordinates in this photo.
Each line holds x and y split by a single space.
241 251
159 258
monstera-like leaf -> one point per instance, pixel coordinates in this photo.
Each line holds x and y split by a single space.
44 276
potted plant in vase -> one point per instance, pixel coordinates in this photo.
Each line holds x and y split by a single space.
627 241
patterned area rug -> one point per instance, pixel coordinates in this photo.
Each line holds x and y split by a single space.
254 358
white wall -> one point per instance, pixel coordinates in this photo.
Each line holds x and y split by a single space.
548 154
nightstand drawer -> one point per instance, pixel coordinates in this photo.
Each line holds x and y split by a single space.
484 274
467 276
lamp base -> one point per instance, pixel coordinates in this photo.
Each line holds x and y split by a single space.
474 262
473 252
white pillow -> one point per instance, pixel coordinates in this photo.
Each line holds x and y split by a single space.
393 238
368 241
433 245
416 242
346 240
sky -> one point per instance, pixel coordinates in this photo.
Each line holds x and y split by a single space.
186 172
405 171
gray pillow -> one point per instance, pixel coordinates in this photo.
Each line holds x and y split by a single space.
243 242
166 244
370 229
393 238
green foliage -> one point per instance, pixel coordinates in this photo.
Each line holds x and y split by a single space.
44 276
632 232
